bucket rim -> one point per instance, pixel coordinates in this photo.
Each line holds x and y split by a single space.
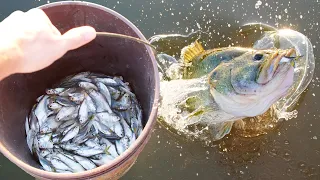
140 141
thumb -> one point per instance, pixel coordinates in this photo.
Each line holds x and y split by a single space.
78 37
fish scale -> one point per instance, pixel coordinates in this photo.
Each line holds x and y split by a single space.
81 124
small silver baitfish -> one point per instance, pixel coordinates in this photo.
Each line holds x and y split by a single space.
87 121
102 159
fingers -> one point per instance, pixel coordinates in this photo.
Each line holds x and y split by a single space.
13 16
38 14
43 15
78 37
45 18
55 30
42 20
72 39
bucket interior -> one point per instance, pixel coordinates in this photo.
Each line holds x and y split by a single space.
112 56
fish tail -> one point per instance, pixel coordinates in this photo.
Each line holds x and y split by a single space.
189 53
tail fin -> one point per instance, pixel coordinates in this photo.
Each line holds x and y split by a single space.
189 53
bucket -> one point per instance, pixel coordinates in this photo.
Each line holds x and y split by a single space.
113 56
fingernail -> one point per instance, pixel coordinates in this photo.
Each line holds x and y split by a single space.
89 34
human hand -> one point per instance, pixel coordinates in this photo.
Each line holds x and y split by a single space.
30 42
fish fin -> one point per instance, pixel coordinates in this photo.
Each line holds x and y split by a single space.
220 130
189 53
106 150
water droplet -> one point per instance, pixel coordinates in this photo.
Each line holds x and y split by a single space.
313 94
258 4
289 171
286 142
229 25
273 152
301 16
241 172
314 137
301 165
198 25
286 10
286 156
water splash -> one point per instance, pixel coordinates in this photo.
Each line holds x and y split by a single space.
287 115
254 126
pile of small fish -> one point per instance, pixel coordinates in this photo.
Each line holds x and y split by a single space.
86 121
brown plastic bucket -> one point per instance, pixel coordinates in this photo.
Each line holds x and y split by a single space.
113 56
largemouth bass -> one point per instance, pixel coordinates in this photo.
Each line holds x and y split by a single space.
218 86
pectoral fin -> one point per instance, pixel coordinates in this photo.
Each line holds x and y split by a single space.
220 130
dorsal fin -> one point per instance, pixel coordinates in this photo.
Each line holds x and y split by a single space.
189 53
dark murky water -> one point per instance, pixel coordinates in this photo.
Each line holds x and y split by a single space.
292 151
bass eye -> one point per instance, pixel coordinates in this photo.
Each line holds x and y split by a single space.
258 57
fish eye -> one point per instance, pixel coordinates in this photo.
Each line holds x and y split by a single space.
258 57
